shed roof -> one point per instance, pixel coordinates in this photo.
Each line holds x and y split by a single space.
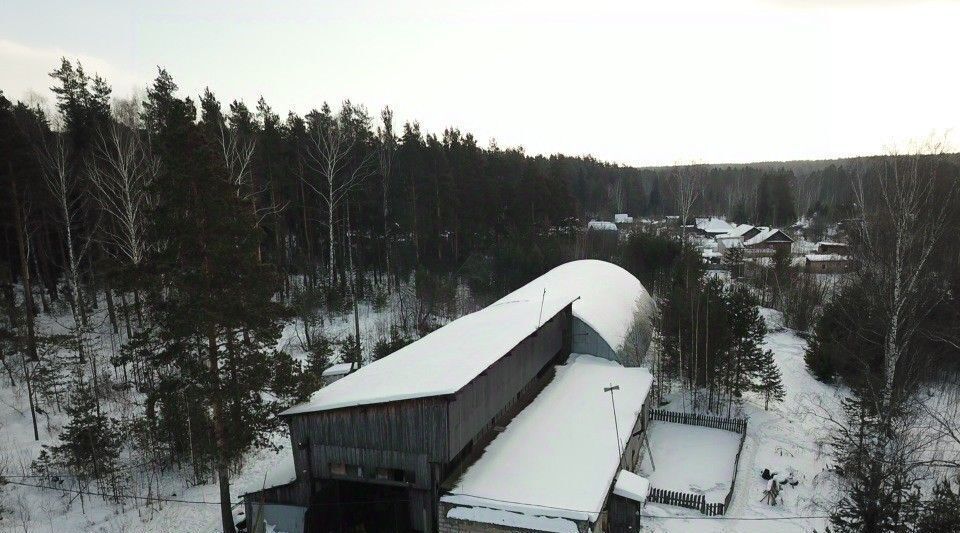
557 457
339 369
632 486
738 231
713 225
765 235
601 225
730 242
819 258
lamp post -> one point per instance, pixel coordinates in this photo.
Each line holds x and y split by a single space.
616 426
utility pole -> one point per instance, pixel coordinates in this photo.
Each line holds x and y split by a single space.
542 300
616 426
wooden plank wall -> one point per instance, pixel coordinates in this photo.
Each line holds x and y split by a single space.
416 426
477 405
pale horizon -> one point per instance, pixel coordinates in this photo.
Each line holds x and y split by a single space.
644 84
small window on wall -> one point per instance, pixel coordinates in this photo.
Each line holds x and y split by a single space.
338 469
394 474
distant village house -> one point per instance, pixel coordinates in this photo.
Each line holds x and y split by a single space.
826 263
767 242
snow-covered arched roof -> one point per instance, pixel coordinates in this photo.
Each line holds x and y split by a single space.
608 296
442 362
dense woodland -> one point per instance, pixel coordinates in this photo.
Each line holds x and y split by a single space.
170 238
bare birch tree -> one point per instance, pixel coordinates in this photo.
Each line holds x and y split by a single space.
237 152
806 188
121 171
335 152
903 208
688 185
388 146
57 162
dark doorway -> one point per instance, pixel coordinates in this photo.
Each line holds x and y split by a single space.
357 507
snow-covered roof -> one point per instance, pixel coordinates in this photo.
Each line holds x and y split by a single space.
339 369
557 457
765 234
607 296
632 486
730 242
708 254
601 225
737 231
814 258
831 243
510 519
713 225
441 362
279 474
622 218
604 296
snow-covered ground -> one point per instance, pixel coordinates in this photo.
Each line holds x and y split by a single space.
693 459
787 438
42 510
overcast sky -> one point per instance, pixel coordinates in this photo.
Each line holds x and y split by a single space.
632 82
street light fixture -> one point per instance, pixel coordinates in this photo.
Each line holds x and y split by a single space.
616 426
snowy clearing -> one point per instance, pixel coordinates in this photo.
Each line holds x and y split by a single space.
693 459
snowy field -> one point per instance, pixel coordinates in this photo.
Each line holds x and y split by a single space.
693 459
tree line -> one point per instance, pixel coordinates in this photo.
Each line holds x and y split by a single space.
154 247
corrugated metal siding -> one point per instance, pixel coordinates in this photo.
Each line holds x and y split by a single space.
587 341
477 404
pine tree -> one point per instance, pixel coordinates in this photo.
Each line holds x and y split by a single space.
318 359
769 381
350 351
286 378
745 355
90 441
942 511
881 490
385 347
320 354
214 290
